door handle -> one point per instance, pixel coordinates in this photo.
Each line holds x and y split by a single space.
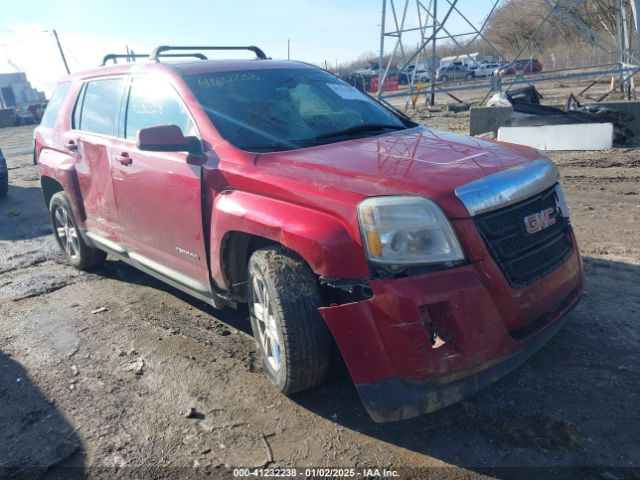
123 158
71 146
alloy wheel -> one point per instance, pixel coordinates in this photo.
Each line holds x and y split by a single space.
66 232
266 323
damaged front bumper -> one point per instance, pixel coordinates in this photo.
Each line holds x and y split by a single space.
425 342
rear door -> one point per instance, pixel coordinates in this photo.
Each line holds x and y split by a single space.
158 194
94 128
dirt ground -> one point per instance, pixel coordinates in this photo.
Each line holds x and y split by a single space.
97 370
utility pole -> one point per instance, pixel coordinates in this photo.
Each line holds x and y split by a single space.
64 60
635 8
381 60
432 73
288 49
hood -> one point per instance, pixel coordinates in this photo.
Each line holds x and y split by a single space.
417 161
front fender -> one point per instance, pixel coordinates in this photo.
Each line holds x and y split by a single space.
61 168
321 239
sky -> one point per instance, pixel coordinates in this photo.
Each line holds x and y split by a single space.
319 31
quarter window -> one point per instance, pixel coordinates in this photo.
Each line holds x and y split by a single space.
154 102
53 107
101 106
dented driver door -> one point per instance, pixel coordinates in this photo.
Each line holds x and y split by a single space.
158 194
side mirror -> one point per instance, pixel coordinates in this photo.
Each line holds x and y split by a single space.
167 138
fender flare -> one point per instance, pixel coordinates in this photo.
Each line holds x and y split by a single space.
324 241
60 167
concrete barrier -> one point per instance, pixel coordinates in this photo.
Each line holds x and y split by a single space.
487 119
577 136
490 119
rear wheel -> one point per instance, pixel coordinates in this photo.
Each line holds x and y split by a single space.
444 78
469 76
65 229
293 341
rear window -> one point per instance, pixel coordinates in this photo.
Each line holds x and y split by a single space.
53 107
100 107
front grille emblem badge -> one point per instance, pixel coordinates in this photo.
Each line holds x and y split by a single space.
538 221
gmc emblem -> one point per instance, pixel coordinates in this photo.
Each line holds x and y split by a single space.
540 220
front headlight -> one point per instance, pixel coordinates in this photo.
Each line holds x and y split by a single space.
407 231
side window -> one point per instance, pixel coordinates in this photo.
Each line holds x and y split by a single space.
53 107
101 106
153 102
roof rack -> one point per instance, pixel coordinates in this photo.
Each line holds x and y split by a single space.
133 56
158 51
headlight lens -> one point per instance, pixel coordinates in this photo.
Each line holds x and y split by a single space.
407 231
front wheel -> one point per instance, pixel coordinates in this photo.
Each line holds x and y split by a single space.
469 76
65 229
444 78
293 341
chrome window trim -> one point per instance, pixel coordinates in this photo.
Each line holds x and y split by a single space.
508 186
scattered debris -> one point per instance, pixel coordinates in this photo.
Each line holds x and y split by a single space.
99 310
487 136
458 107
13 213
194 414
499 100
136 366
269 452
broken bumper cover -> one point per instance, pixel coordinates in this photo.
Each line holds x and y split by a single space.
425 342
397 399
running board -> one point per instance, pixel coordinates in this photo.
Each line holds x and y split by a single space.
157 270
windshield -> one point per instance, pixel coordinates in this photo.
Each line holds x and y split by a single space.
283 109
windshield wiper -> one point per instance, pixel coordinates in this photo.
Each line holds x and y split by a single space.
365 127
270 147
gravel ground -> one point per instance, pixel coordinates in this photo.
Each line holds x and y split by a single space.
98 370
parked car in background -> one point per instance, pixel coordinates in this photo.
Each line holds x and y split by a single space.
276 184
4 175
37 110
454 73
498 68
420 76
522 66
485 69
24 116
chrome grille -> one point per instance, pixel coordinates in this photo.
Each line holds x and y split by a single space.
525 257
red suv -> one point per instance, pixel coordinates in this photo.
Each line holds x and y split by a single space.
436 262
523 66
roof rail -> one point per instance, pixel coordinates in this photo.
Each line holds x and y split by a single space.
157 52
133 56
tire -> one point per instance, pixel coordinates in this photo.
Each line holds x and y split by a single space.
468 76
444 78
299 359
78 254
